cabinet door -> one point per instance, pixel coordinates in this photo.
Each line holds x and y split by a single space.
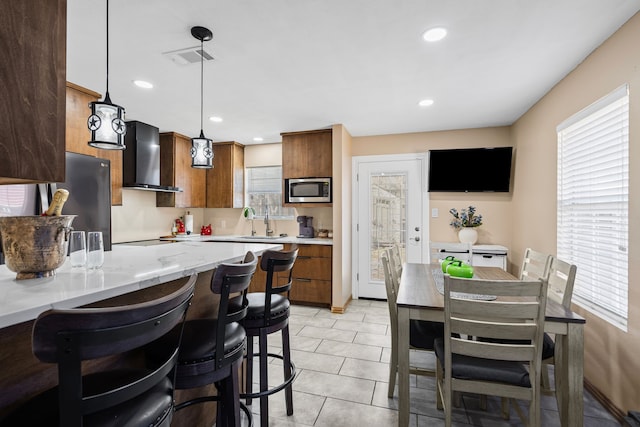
78 135
32 105
176 170
225 182
307 154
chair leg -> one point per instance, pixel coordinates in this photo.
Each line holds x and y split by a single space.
439 379
546 383
264 380
249 377
393 365
232 396
286 354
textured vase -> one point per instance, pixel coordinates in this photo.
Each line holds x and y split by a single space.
468 235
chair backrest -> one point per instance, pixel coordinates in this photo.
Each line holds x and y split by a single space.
440 250
518 317
395 263
68 337
231 282
277 262
391 285
562 275
535 265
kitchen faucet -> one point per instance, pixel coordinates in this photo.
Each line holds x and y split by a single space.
268 230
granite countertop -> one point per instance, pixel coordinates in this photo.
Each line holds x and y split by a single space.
246 239
126 269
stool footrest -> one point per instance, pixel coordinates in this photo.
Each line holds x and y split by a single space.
274 389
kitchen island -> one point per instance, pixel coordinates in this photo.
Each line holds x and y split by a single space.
129 274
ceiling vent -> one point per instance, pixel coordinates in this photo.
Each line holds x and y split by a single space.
190 55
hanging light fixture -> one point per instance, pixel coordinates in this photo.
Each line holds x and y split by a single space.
106 122
201 147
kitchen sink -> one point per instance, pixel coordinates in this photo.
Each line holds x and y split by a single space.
262 237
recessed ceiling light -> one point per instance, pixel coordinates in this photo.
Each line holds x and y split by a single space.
434 34
258 139
143 84
426 103
215 119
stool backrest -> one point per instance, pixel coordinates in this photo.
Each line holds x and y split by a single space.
277 262
68 337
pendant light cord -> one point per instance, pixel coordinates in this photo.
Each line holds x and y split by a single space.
107 48
201 84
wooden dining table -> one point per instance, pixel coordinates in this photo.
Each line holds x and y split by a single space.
419 298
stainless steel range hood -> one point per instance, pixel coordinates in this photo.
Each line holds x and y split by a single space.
141 159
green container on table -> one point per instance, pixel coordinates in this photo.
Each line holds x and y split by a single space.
448 260
459 269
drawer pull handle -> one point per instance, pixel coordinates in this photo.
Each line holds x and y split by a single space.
303 280
303 257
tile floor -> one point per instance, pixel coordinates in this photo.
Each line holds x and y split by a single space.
343 363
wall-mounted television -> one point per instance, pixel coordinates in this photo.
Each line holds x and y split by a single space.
470 169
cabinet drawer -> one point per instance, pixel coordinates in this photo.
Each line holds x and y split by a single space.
489 260
319 251
312 291
312 268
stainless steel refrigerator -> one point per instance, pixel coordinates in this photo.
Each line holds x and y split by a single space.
88 180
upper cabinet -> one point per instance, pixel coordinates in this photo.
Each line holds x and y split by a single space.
176 171
307 154
225 182
32 105
78 135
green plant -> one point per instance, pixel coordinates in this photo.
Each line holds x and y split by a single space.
465 218
248 212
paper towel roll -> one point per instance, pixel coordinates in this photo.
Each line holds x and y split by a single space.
188 223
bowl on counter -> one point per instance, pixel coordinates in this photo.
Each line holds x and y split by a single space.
35 246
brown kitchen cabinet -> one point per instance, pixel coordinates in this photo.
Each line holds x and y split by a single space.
311 276
307 154
176 171
32 105
78 135
225 182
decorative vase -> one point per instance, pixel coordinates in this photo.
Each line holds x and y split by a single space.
468 235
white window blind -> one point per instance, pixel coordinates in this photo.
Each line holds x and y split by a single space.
264 188
593 204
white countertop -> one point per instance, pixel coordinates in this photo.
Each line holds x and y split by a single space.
125 269
261 239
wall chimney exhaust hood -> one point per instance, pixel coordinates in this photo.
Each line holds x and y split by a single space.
141 159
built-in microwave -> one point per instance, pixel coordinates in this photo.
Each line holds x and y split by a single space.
308 190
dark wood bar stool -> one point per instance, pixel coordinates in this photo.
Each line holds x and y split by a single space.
268 313
125 396
212 349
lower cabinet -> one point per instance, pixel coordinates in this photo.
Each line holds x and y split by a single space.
311 276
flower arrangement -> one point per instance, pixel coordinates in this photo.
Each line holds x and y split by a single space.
465 218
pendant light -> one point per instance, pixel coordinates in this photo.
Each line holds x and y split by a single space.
106 122
201 147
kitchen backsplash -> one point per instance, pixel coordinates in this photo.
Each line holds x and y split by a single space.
139 219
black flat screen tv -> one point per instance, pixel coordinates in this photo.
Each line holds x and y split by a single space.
470 170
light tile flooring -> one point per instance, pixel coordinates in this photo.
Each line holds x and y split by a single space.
342 362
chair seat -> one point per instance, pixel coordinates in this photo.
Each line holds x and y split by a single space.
153 408
548 346
474 368
256 312
423 333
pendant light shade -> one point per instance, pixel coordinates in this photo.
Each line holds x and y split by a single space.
106 122
201 147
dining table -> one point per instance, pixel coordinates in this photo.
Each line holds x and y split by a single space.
419 298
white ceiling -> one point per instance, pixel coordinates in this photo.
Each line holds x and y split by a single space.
290 65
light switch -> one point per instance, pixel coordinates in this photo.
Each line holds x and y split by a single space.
434 213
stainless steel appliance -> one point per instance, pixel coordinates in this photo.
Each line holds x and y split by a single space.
308 190
306 226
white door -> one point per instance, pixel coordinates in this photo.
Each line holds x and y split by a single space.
389 208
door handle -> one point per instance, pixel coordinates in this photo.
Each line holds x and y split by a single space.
417 239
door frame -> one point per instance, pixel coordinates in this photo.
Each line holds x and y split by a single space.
355 211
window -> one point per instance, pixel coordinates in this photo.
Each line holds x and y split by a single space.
593 204
264 188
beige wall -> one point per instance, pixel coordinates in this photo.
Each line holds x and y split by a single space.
611 355
494 207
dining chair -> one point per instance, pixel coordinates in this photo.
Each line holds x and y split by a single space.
212 348
268 312
395 262
562 276
493 367
440 250
535 265
124 392
421 333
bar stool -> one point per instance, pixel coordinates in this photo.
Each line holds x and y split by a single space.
212 350
268 313
126 396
